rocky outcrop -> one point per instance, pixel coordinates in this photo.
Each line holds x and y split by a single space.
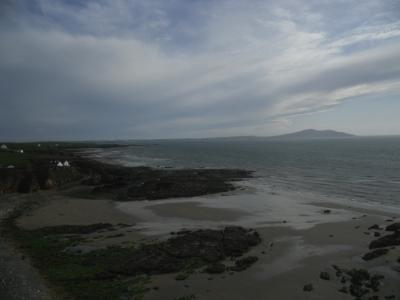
375 253
393 227
195 248
386 241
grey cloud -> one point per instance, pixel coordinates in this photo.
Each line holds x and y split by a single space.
55 83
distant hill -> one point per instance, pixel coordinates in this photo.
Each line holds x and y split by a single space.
313 134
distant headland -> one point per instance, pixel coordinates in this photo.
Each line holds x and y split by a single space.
314 134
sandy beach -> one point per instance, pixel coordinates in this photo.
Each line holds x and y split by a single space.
298 241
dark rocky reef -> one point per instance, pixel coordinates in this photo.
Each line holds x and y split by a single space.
191 249
139 183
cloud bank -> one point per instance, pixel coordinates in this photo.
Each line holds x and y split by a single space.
155 69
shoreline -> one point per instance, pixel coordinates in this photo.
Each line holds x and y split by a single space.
300 237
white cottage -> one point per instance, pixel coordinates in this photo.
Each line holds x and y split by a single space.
60 164
3 147
67 164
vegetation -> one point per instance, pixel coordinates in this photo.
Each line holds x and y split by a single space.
85 276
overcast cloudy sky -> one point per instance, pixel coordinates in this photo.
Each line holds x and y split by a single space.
193 68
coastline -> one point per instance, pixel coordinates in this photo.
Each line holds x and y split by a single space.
296 245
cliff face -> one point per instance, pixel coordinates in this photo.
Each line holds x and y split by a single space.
37 178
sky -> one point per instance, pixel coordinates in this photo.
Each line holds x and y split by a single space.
130 69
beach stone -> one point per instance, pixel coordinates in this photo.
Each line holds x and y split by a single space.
324 276
375 253
308 288
327 211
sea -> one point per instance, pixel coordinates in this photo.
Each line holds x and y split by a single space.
361 169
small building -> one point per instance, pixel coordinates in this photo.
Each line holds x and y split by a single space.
3 147
11 167
60 164
67 164
21 151
39 145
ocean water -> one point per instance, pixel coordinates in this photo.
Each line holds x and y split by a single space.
359 169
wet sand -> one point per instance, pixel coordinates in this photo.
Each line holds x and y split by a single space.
61 210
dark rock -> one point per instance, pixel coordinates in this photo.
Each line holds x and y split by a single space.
327 211
344 290
216 268
386 241
237 240
375 253
191 248
374 282
374 227
393 227
358 276
244 263
377 234
358 290
181 276
390 297
308 287
324 276
374 297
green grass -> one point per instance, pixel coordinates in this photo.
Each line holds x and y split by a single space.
16 159
83 277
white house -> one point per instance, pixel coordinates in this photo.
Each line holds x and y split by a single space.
66 163
10 167
3 147
60 164
21 151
